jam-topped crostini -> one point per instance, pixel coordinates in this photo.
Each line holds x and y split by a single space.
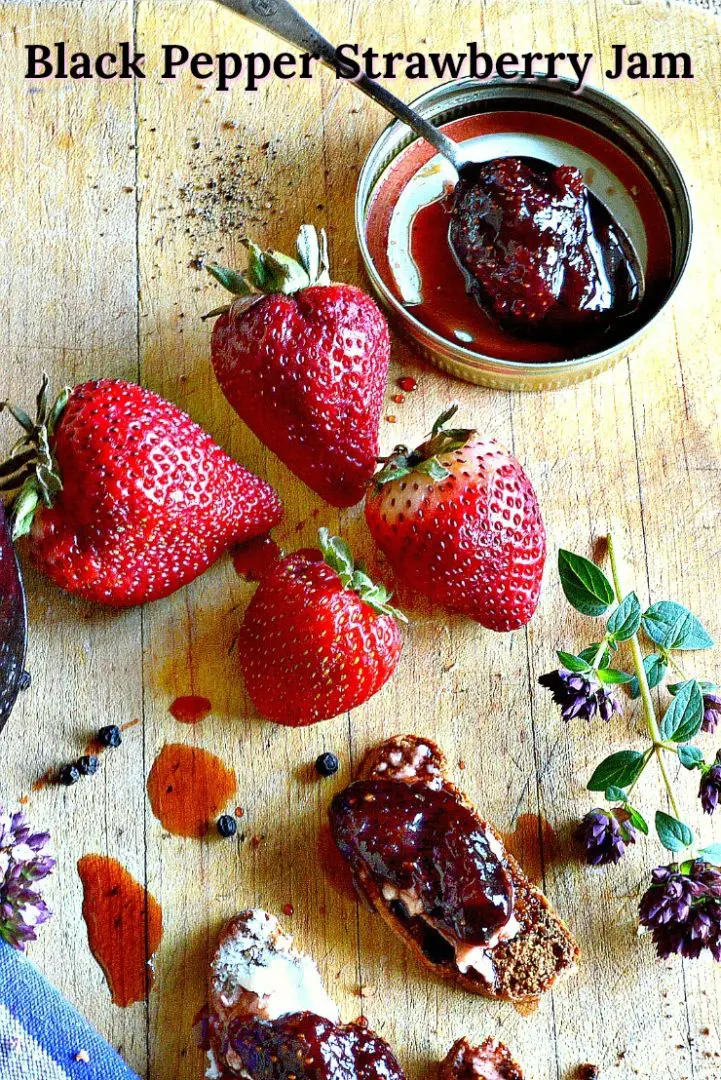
441 878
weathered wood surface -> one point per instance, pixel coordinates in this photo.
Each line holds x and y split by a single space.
101 218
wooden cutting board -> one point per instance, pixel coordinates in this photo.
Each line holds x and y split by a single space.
105 207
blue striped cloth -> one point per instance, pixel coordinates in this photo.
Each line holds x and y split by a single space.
42 1037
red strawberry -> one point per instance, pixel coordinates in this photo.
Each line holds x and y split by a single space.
318 637
124 498
304 364
458 520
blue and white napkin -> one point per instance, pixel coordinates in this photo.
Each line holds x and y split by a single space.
42 1037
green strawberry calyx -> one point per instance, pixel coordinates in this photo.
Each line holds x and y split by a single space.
337 555
270 271
425 458
31 470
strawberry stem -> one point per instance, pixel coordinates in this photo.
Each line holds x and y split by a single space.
270 271
424 459
31 470
337 555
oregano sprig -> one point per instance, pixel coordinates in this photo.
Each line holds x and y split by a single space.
584 687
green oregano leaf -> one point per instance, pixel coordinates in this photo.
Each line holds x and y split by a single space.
585 586
611 675
711 854
706 687
573 663
673 834
684 716
673 626
615 794
626 619
690 757
591 653
618 770
655 667
637 819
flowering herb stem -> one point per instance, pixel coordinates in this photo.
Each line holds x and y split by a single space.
645 692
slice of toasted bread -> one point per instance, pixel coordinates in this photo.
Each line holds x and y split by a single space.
519 969
489 1061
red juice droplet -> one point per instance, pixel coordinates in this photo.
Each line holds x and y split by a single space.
407 383
191 709
125 926
288 910
187 788
254 559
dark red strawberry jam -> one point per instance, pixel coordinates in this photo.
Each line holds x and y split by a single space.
541 254
303 1046
427 845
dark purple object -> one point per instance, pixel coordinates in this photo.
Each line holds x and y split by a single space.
578 696
709 791
13 623
683 910
540 253
604 838
303 1046
425 843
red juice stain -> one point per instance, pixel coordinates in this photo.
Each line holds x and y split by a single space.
43 781
125 926
288 910
191 709
187 788
525 845
254 559
407 383
333 864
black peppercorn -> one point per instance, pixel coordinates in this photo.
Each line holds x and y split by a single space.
88 765
327 764
227 825
68 775
110 736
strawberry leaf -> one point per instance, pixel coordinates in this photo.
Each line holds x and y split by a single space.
338 556
231 280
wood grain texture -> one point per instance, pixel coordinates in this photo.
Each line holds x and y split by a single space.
105 199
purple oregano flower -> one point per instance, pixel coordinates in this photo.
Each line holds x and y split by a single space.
24 863
709 791
682 908
711 712
604 836
579 696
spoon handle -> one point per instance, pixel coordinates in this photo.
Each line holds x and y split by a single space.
282 19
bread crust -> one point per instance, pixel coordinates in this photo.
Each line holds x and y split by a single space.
489 1061
526 966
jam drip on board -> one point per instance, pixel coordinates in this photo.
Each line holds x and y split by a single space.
540 252
125 926
187 787
427 851
303 1046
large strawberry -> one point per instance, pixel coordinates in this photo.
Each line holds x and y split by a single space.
458 520
124 498
304 363
318 637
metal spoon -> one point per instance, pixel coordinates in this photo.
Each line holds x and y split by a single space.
13 624
282 19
